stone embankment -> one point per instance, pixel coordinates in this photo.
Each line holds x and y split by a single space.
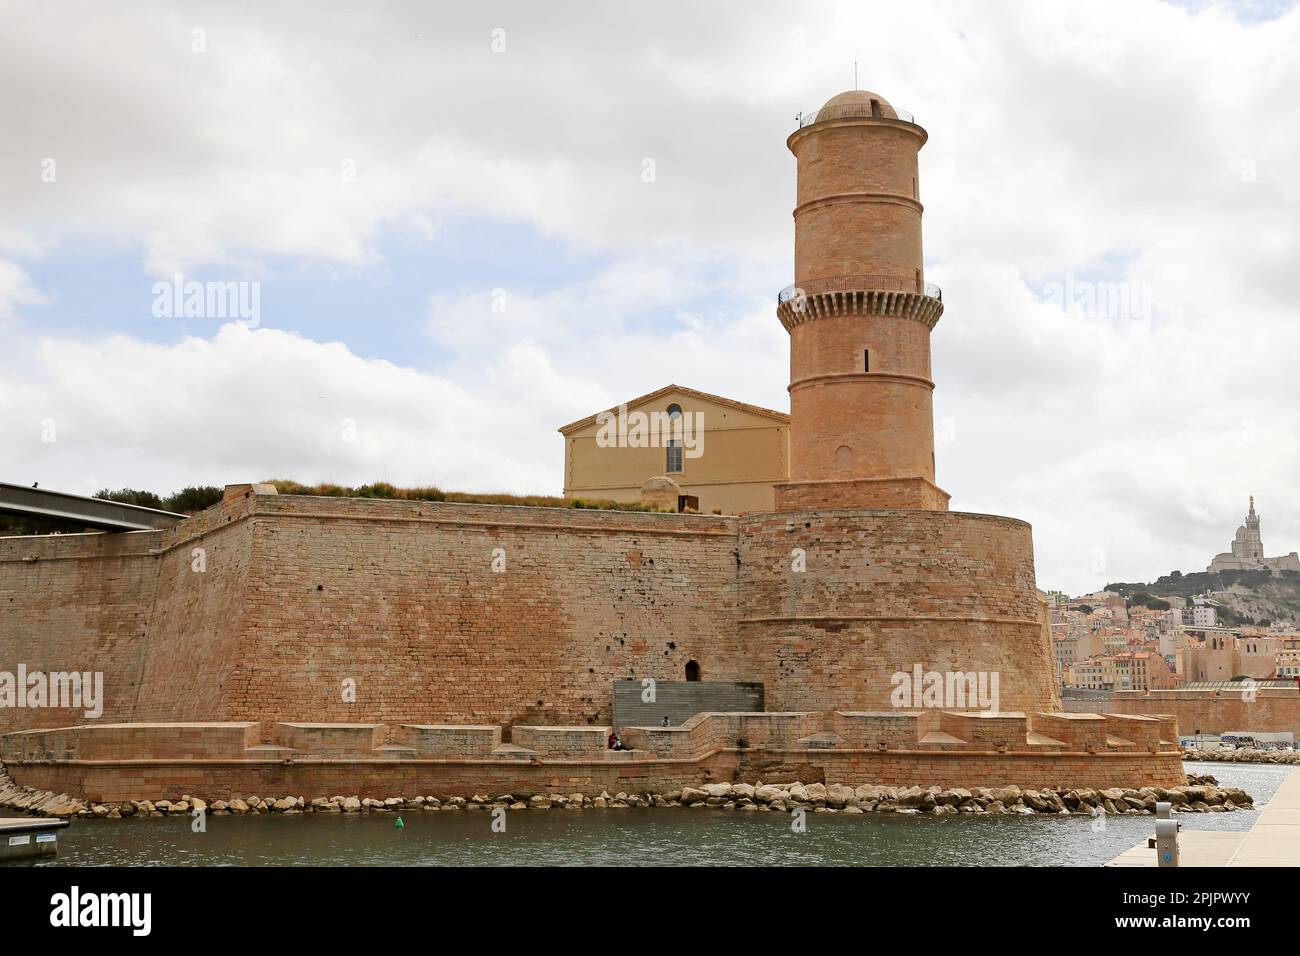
1200 796
1244 756
40 802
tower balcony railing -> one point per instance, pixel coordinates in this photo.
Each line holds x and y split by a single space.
851 111
863 283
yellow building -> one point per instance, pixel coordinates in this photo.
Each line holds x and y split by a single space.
679 449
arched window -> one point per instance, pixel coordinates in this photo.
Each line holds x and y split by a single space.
692 670
673 446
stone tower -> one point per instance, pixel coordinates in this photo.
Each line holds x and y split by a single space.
859 315
1249 544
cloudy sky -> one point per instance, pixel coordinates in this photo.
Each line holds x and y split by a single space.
456 246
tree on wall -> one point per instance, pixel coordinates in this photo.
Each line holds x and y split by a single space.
193 498
130 496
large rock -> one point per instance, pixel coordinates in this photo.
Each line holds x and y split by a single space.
916 799
838 795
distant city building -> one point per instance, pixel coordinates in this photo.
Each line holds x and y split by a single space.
1064 650
1128 671
1288 662
1247 552
1223 655
1200 614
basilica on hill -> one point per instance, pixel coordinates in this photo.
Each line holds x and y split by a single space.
1247 552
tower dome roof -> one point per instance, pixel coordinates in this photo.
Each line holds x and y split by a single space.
856 103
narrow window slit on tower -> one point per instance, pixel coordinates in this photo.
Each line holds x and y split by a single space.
866 360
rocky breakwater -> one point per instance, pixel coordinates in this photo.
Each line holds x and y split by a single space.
836 798
1202 795
1244 756
40 802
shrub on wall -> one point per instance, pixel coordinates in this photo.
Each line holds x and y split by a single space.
382 489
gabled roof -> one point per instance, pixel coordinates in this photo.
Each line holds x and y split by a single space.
695 393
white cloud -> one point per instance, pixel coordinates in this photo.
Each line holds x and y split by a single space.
1133 141
16 290
247 405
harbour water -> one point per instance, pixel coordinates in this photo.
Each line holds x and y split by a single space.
631 837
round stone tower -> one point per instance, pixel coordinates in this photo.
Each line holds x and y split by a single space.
859 314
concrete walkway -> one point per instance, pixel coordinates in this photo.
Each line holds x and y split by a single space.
1274 840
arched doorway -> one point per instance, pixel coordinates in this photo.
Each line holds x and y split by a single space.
692 670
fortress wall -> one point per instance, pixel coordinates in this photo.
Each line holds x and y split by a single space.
401 597
1272 711
194 641
78 602
300 595
884 591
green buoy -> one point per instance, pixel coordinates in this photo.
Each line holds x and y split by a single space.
399 824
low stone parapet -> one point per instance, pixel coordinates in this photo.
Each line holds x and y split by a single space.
985 730
449 740
1085 732
882 730
947 748
138 741
1138 730
563 741
330 739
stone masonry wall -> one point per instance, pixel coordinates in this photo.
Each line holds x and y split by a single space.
77 602
1271 711
263 606
271 607
402 598
884 591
